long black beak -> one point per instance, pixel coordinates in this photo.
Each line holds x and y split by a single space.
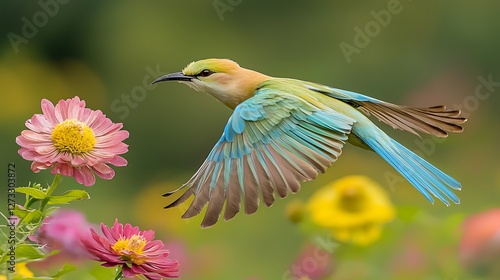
178 76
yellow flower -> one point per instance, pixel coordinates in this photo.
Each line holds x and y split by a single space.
354 207
21 272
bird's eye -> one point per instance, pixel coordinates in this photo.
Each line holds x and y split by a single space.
205 73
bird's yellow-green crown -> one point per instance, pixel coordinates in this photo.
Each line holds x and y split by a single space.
215 65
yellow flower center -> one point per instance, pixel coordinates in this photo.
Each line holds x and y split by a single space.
353 199
131 248
74 137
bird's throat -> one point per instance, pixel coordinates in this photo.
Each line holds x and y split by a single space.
239 89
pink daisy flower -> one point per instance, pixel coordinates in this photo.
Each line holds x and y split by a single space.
134 250
74 141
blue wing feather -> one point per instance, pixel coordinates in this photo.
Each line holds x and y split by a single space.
422 175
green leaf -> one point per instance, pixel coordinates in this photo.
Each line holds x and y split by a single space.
33 215
67 268
36 193
28 215
27 252
5 258
68 197
20 212
51 209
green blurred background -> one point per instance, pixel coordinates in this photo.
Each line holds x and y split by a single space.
107 52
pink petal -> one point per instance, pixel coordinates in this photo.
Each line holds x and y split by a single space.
38 166
40 124
84 176
63 169
78 160
117 228
106 176
149 235
118 161
127 272
31 135
74 107
110 234
61 111
128 230
46 150
48 158
102 169
84 115
27 154
111 139
48 111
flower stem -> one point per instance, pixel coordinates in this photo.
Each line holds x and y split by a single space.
30 202
119 273
53 187
50 190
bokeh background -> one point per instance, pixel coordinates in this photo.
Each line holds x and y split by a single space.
107 52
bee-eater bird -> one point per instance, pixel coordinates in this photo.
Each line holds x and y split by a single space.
284 132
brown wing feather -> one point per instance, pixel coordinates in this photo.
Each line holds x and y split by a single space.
433 120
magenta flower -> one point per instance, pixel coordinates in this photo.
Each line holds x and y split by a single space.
64 231
134 250
74 140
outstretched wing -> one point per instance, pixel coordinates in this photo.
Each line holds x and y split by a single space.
271 143
435 120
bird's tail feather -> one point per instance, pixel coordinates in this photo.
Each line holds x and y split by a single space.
426 178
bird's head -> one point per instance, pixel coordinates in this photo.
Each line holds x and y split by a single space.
223 79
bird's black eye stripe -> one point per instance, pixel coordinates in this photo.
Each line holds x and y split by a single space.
205 73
